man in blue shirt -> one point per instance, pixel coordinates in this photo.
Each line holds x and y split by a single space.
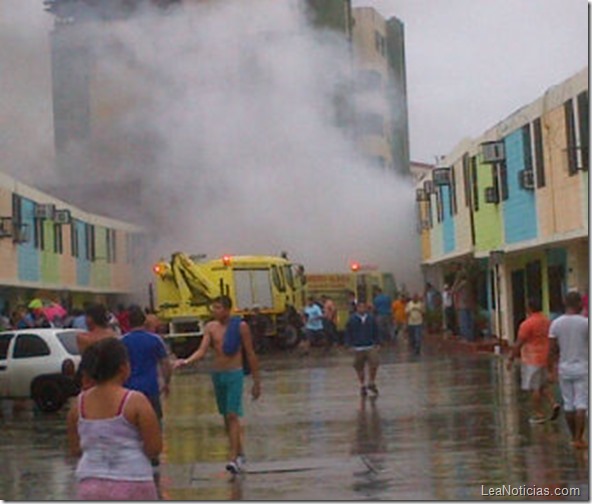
384 315
146 353
362 335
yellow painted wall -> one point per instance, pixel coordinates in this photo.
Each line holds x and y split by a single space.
560 202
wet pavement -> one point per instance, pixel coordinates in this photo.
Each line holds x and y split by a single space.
444 427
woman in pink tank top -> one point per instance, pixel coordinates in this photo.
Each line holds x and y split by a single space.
114 430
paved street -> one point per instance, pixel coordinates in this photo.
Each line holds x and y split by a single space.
443 426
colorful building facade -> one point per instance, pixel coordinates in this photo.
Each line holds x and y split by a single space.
513 206
53 250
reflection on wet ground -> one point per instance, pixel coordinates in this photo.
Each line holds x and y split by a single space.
443 427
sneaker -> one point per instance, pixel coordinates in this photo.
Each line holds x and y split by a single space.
537 420
233 467
372 388
241 460
363 391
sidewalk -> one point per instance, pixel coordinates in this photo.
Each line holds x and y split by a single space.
454 344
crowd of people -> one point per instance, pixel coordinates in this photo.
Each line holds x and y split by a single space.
556 352
36 315
114 425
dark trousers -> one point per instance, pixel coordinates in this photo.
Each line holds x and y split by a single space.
450 319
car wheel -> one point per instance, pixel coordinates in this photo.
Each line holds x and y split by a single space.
48 395
290 337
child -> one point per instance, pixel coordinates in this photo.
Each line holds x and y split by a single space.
115 430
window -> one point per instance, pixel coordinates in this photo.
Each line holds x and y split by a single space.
538 153
503 180
474 184
527 148
111 246
17 214
289 277
380 43
467 179
74 239
278 279
30 345
439 205
89 239
68 340
4 344
584 128
452 192
370 123
570 132
58 242
39 234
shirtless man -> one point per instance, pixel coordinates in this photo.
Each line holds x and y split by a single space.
97 322
228 375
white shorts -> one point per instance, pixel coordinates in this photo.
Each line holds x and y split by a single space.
533 377
574 392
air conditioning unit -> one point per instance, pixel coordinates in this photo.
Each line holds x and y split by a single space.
491 195
441 176
21 234
62 217
526 179
45 211
5 227
428 186
493 152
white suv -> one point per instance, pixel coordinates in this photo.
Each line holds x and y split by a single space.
40 364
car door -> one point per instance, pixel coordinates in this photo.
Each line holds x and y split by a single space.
5 349
31 357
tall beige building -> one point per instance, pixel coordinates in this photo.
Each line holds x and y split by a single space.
380 97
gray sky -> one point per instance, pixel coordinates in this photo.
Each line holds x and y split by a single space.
471 63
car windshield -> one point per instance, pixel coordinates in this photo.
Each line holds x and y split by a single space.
68 340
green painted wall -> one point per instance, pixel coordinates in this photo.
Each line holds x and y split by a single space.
488 219
100 275
50 261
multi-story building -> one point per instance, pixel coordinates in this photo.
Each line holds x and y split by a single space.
380 92
54 250
513 206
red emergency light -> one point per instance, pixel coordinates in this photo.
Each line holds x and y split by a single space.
355 266
226 260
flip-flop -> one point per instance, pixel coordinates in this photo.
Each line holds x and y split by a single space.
537 420
556 411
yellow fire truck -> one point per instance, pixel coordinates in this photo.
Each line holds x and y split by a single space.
361 283
185 286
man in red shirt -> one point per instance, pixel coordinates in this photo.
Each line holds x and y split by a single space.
533 347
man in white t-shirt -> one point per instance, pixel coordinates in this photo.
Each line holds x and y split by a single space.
569 348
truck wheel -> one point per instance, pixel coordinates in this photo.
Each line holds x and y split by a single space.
290 337
48 395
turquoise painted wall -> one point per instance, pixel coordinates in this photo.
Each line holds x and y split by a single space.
519 210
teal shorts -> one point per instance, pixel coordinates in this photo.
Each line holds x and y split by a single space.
228 387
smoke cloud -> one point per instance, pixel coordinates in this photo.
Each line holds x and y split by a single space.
226 112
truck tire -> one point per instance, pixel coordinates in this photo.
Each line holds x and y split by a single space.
48 395
289 338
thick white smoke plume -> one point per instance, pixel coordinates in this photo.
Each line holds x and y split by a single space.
227 112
